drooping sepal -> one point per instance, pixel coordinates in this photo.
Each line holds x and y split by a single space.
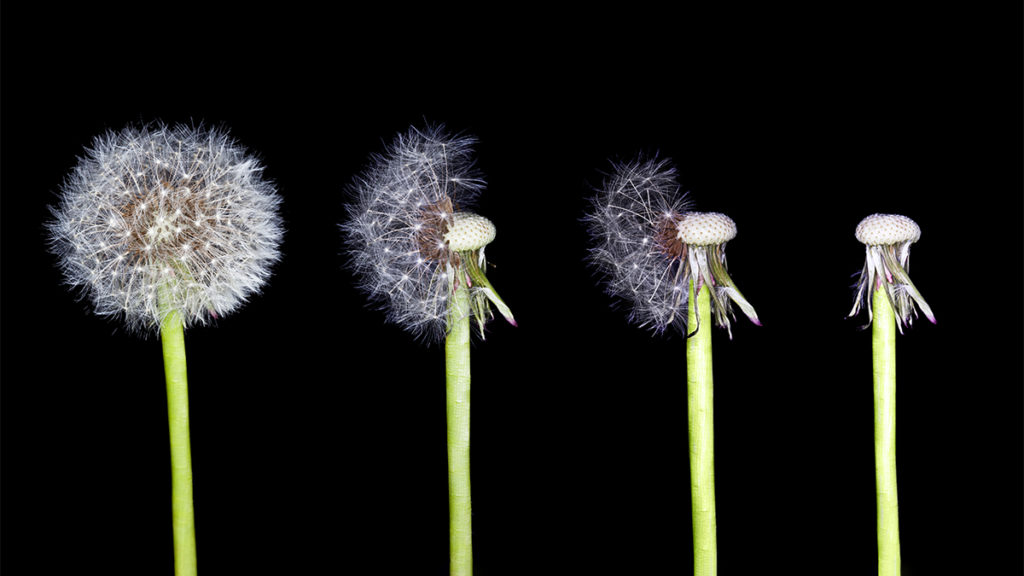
483 292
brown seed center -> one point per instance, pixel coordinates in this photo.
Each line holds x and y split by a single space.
667 237
429 238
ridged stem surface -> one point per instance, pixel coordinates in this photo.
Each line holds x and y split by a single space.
701 427
460 531
172 338
883 341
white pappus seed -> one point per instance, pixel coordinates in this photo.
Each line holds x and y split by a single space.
637 200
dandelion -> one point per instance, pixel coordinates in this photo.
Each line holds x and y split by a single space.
418 252
890 306
167 227
669 264
887 239
158 220
411 236
649 246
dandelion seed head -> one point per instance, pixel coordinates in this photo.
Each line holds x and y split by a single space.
887 239
410 221
648 247
128 216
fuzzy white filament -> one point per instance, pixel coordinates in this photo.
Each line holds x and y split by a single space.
638 205
177 214
401 221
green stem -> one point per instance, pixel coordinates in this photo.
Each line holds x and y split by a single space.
883 340
172 337
700 418
456 347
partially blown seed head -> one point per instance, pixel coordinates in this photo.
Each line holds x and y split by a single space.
410 236
887 239
648 246
156 219
632 224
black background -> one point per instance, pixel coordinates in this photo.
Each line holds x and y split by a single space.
318 431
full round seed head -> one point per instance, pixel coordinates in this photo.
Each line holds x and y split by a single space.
880 229
468 232
705 228
156 219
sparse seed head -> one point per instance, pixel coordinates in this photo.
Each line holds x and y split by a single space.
179 213
632 228
469 232
705 228
879 229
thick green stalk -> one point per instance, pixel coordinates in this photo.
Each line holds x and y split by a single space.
172 337
701 429
456 347
883 341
